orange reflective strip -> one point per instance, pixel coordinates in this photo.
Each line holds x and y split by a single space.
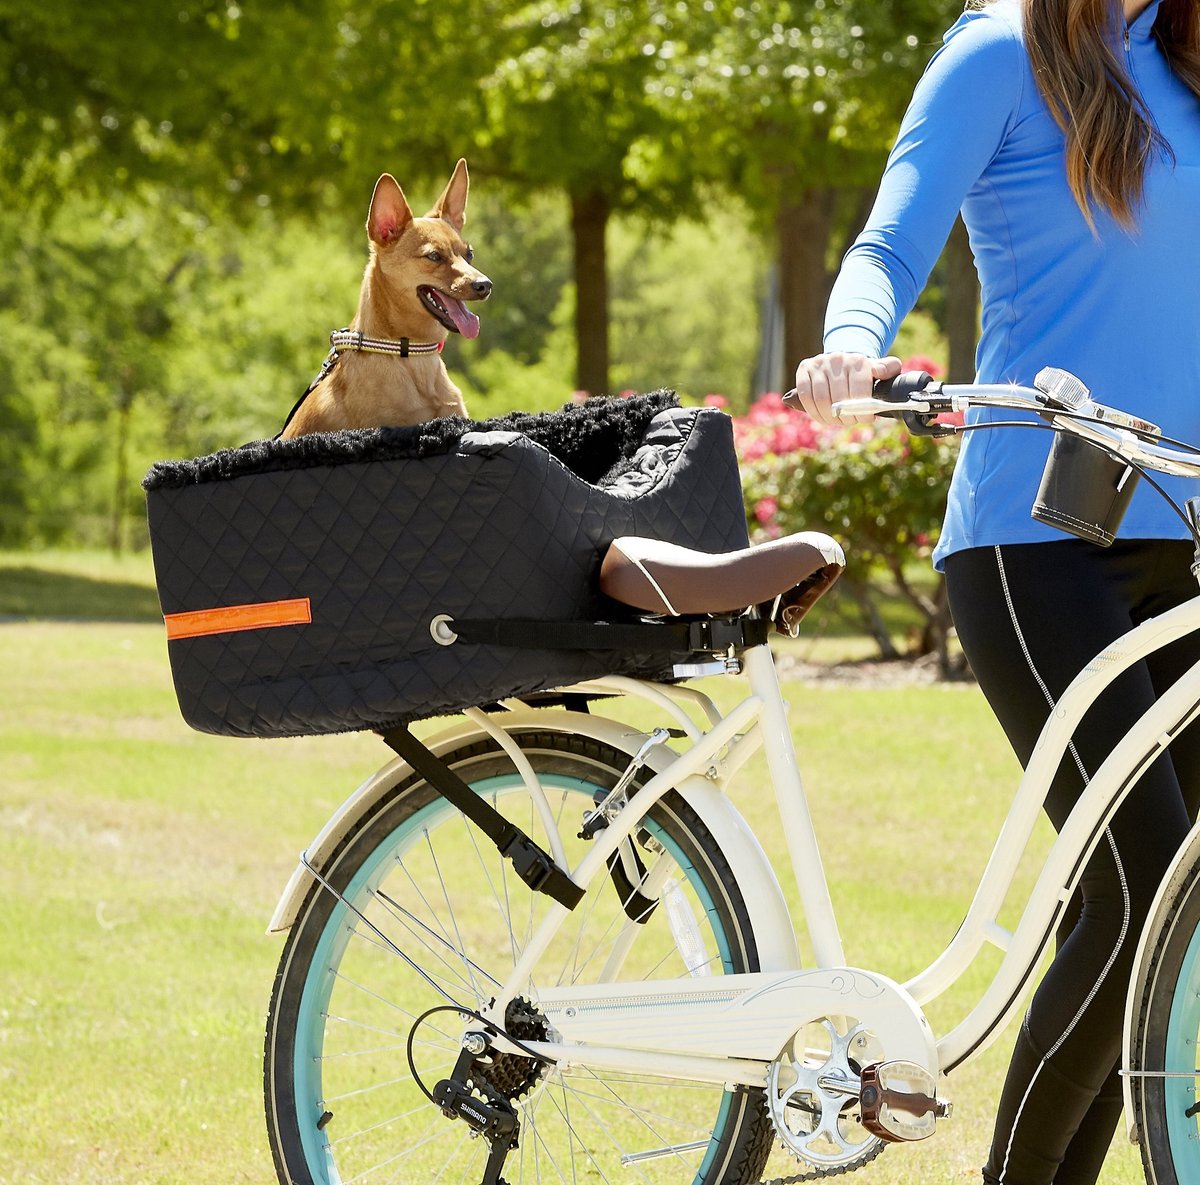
233 618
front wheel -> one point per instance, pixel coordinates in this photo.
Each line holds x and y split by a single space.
1166 1069
418 911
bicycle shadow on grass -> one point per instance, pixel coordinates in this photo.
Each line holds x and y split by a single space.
30 593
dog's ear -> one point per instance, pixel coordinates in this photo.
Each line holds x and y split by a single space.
452 205
390 214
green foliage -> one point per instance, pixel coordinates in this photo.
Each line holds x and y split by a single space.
791 96
134 331
685 305
185 187
878 488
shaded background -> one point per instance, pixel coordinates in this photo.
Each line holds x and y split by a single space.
661 193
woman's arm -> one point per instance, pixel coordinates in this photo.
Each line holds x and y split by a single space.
960 114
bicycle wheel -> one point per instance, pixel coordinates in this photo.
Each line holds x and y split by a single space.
416 877
1165 1046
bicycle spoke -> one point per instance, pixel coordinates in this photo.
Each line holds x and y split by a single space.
450 909
403 915
599 1123
391 1004
424 915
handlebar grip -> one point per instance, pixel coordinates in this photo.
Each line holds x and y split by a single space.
903 387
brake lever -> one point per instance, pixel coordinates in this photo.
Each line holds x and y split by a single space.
909 385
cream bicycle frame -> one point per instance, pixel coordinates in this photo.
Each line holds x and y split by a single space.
728 1028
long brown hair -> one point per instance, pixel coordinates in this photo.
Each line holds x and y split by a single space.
1073 46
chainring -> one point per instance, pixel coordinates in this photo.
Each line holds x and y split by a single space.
813 1104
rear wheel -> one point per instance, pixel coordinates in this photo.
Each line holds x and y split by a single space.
1167 1070
419 911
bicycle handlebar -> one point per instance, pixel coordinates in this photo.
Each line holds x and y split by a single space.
1059 398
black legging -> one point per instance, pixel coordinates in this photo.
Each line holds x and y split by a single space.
1030 616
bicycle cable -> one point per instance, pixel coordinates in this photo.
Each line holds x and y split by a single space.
462 1010
1142 470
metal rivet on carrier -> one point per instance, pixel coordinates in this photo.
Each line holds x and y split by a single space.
439 629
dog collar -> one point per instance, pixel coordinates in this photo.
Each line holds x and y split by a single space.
352 339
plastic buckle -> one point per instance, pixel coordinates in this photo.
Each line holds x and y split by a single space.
715 635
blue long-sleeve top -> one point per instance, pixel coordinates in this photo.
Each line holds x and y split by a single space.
1119 308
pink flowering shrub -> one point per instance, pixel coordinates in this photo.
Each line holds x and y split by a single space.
878 490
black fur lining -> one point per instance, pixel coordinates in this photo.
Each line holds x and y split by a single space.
594 439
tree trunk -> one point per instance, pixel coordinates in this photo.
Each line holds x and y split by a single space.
962 305
116 532
869 615
589 222
803 227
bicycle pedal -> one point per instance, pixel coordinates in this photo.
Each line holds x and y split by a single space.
898 1101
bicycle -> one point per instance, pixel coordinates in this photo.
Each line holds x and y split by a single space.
451 1005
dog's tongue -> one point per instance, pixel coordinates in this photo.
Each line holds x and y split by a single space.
464 320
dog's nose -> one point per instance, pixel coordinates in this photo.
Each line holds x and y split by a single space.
483 286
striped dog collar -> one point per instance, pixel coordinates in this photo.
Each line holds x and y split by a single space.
352 339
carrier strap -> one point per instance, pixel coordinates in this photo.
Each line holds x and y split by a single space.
688 635
533 865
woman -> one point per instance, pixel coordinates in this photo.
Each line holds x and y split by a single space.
1068 132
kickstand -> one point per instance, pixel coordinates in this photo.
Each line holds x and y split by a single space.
502 1143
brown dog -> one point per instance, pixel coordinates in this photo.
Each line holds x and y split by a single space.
386 368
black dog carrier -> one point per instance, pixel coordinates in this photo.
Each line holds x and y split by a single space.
321 584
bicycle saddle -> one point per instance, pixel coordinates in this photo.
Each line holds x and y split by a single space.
789 574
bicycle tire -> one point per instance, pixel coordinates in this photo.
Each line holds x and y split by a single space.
1164 1053
340 1103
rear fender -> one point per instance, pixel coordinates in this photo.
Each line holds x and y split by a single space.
770 920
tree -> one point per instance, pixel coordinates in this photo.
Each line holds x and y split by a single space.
574 107
798 103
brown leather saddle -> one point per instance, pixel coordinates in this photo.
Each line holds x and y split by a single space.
788 575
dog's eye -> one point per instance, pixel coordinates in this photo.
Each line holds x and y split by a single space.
433 256
469 255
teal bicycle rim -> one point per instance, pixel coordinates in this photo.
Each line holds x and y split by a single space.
1180 1054
337 933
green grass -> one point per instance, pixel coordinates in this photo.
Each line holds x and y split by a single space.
140 864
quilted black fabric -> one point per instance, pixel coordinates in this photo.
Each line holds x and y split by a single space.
493 526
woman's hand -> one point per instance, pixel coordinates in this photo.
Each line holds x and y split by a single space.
825 379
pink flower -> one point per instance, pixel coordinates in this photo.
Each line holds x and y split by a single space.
766 510
715 401
923 362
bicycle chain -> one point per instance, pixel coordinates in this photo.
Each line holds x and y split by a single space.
817 1174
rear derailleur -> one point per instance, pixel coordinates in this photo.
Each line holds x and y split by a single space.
483 1108
484 1084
